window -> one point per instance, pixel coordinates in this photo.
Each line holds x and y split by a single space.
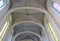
2 4
10 18
52 31
56 6
4 29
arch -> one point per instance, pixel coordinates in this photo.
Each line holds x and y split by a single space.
34 8
31 22
27 32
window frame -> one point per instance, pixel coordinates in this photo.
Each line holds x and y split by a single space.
54 7
50 2
4 4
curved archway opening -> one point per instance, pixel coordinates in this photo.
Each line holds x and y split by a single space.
33 14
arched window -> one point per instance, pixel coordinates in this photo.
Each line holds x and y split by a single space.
2 4
56 6
52 31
